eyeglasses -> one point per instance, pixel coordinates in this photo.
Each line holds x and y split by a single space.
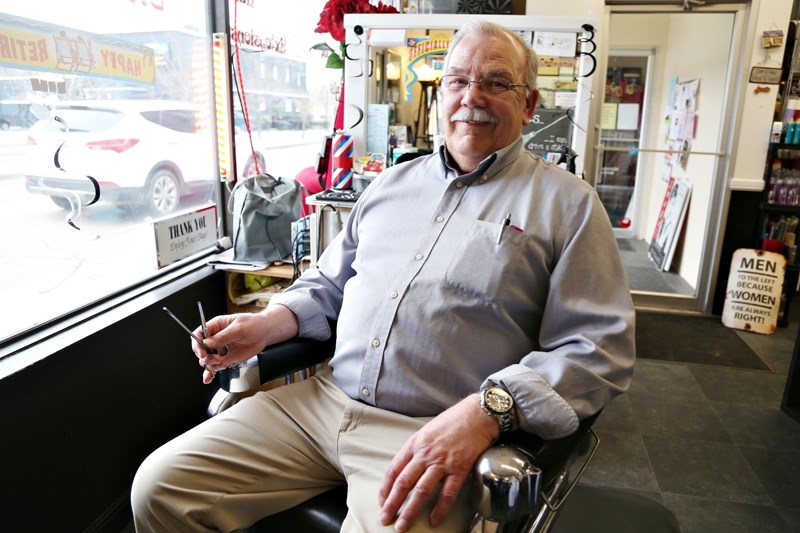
457 84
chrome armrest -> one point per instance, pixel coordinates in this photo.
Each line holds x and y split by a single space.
523 480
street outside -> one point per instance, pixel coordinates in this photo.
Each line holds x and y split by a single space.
49 268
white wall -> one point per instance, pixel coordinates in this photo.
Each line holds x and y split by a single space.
747 170
565 8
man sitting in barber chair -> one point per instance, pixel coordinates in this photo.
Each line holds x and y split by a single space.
477 290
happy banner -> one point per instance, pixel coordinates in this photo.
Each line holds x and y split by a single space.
33 45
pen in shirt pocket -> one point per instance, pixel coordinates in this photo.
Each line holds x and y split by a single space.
505 222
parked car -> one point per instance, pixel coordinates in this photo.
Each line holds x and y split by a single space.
15 114
145 154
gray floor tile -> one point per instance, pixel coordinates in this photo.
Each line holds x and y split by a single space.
791 517
704 515
758 425
704 468
595 509
739 386
665 379
779 473
775 350
677 416
642 273
621 461
618 416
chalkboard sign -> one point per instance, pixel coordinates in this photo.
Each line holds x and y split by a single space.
548 131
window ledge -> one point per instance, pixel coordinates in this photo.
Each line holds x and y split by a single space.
29 349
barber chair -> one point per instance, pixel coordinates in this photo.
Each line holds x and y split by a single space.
523 481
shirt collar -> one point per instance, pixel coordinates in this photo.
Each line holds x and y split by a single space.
490 166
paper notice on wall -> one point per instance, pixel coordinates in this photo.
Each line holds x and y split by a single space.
377 128
559 44
566 99
753 295
608 120
628 117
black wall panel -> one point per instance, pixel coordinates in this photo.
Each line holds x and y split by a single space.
75 426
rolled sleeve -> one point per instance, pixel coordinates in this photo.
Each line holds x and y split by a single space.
540 409
312 322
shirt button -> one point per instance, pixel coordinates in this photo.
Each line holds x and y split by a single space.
418 257
484 178
459 185
440 219
376 342
365 391
393 294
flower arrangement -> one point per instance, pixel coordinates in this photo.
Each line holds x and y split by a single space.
331 20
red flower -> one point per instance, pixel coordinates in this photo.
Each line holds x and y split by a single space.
331 20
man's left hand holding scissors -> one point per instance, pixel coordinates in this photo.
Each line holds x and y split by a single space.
240 336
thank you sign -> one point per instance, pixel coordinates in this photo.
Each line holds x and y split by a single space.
184 234
753 296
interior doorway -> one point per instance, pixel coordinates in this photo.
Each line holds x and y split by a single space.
666 123
621 135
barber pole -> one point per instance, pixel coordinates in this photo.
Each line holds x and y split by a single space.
342 177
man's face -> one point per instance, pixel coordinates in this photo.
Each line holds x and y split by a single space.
474 137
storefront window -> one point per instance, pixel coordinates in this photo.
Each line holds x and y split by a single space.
106 123
289 95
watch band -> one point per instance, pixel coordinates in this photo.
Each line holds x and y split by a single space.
504 414
506 421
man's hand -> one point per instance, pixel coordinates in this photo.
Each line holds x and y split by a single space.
240 336
442 453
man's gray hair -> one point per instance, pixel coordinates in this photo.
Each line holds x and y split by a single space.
489 29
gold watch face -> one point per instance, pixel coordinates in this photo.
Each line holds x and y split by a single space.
498 400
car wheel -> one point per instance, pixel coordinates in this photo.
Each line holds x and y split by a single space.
163 192
4 125
62 202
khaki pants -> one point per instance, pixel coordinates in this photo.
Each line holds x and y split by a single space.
273 451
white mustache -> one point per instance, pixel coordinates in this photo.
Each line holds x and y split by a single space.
466 114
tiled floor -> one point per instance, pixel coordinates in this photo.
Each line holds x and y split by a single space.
643 274
710 443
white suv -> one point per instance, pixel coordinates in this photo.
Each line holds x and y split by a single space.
145 154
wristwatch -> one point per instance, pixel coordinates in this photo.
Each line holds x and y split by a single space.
497 402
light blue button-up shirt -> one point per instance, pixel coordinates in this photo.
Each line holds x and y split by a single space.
436 297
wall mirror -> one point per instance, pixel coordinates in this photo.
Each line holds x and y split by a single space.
394 61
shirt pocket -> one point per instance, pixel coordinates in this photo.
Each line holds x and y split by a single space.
482 267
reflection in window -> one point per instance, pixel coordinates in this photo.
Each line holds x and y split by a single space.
126 96
282 85
116 91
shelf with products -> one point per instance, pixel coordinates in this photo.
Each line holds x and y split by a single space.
779 215
782 190
250 290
